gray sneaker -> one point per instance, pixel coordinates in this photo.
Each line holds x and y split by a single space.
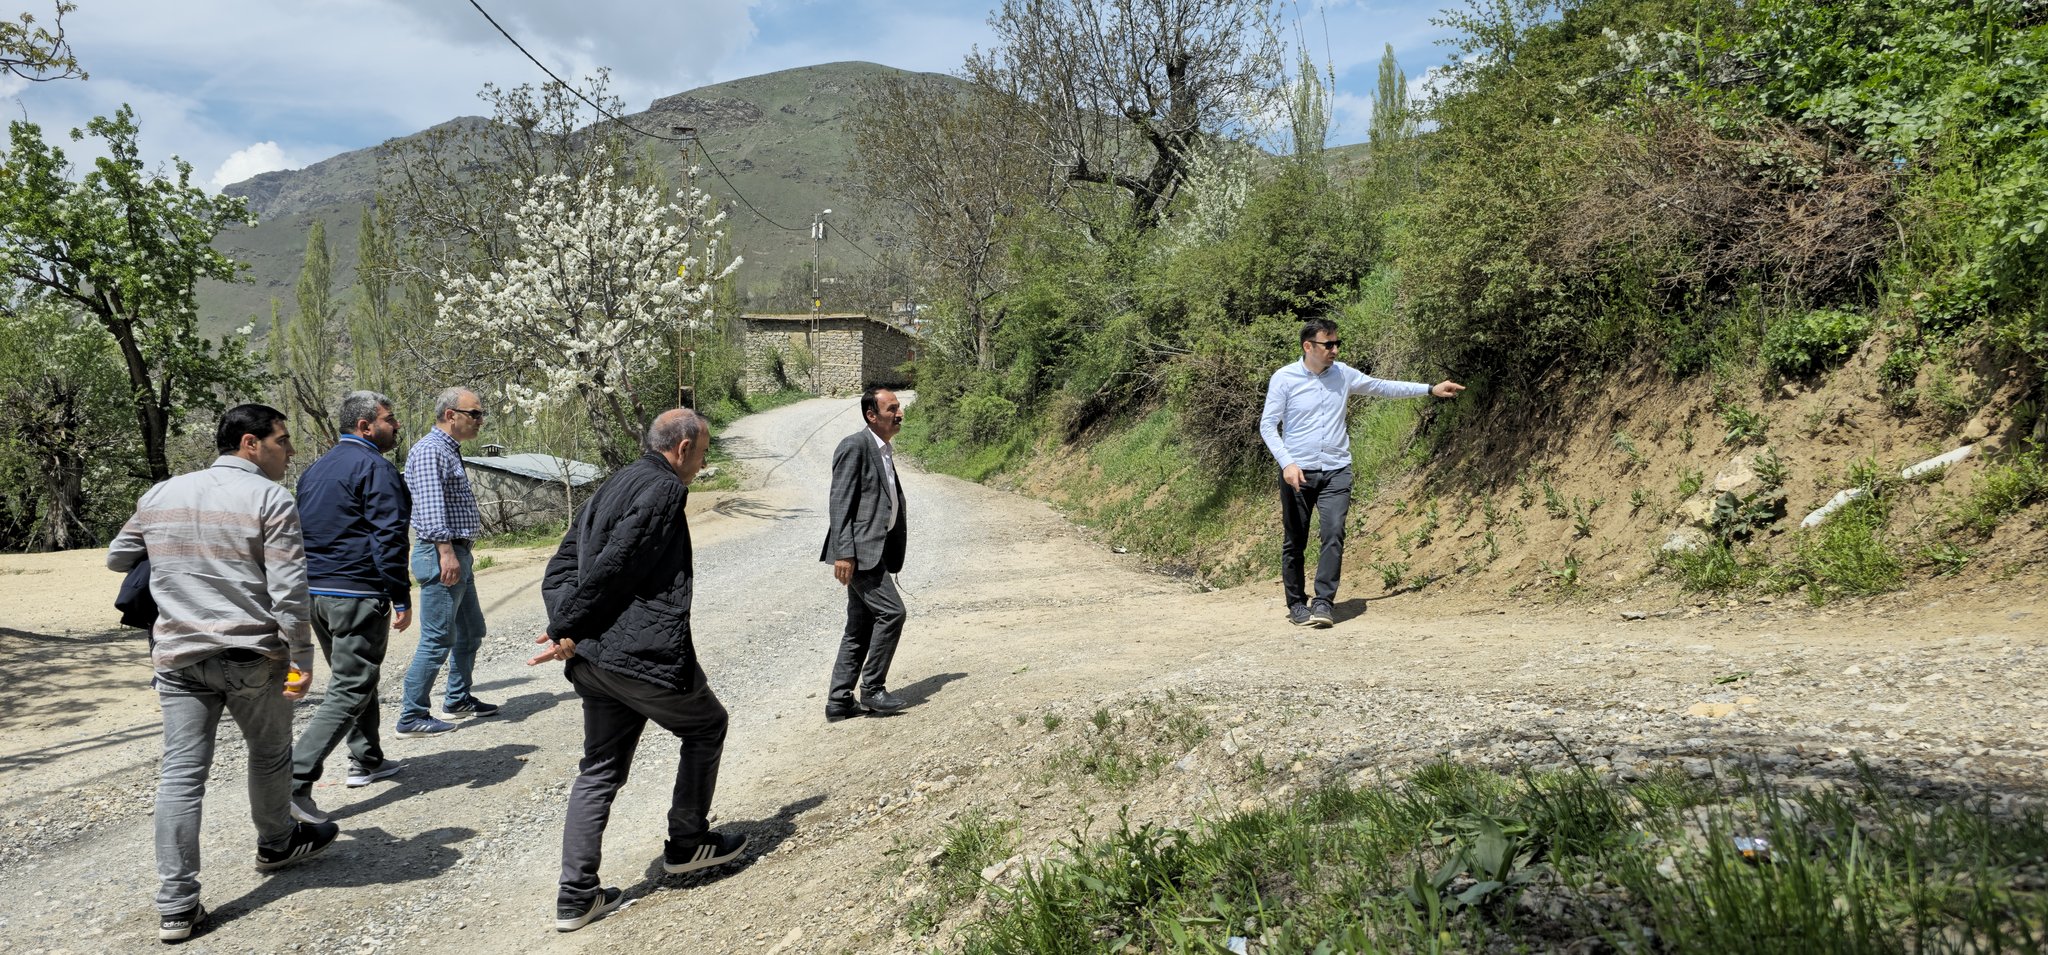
1321 615
429 726
304 809
358 776
1297 614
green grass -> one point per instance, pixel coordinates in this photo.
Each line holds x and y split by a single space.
2003 490
1117 493
1122 750
535 536
1709 568
1459 859
966 847
1848 555
960 458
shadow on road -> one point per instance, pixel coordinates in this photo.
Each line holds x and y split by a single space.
359 859
926 688
763 837
751 507
58 680
469 769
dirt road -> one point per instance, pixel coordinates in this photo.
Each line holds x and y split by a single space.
1022 632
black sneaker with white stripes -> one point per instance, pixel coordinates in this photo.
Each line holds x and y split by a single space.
569 918
309 839
702 852
180 926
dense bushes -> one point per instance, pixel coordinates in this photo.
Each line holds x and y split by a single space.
1727 185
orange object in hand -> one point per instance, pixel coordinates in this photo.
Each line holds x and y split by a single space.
296 680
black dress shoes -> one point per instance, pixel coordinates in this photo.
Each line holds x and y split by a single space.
881 702
834 714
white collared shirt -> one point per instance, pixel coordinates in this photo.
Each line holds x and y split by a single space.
888 471
1303 422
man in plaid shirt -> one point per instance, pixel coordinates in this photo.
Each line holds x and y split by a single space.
445 522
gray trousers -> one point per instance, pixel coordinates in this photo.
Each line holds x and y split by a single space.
353 632
250 687
874 624
615 710
1328 495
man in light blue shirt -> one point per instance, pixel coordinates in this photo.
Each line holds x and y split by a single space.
1303 426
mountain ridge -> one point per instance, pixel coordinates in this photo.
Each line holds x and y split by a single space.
779 139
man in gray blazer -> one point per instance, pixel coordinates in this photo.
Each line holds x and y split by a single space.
865 537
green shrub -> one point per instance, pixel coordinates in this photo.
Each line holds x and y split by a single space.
2003 490
1709 568
1803 345
985 417
1846 556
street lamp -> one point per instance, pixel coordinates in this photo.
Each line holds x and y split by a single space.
817 303
686 398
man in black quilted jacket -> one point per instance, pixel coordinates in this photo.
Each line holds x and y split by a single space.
618 600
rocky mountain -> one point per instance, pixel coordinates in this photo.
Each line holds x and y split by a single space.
779 138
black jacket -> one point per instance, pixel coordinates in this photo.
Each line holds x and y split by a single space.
354 506
620 583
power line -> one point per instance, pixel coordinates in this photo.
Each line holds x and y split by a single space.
601 111
691 138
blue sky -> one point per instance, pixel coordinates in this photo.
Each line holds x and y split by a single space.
238 87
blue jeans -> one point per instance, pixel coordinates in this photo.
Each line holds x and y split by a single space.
250 687
451 629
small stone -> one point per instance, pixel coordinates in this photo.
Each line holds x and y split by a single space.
1633 615
1712 711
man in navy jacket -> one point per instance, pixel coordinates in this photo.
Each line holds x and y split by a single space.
354 505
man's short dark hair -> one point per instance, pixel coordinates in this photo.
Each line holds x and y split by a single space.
869 404
259 420
1314 325
359 406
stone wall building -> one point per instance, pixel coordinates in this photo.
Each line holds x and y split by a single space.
836 354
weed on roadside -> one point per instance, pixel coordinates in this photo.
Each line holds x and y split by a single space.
1689 483
1744 426
966 847
1122 749
1461 859
2003 490
1847 555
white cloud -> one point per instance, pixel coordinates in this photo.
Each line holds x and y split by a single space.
243 163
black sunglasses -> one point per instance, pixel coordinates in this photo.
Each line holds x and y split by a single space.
1331 344
477 415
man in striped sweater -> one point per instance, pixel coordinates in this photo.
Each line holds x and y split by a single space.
228 570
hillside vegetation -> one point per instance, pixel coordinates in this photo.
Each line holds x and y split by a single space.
1704 265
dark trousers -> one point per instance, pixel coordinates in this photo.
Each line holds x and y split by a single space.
874 623
615 709
1327 494
353 632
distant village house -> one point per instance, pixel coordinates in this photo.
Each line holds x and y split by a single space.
834 354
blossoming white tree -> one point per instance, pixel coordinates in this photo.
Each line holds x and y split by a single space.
605 273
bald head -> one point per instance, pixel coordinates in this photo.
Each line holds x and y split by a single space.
673 427
678 436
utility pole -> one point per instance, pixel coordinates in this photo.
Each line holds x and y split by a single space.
817 303
686 398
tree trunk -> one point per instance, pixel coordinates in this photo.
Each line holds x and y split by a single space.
63 526
149 413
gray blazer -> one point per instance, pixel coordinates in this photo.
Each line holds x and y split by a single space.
857 527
